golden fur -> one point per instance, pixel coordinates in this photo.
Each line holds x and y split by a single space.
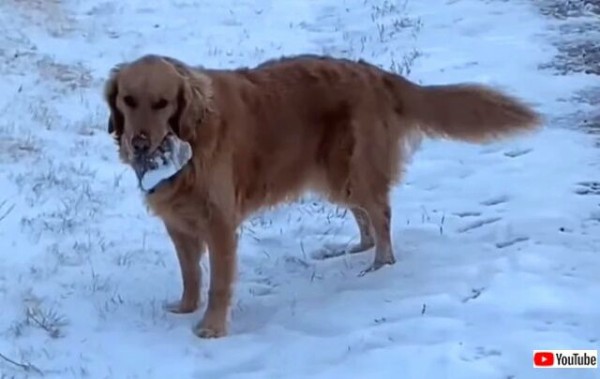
265 135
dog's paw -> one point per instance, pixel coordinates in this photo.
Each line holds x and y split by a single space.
377 265
208 333
210 329
180 307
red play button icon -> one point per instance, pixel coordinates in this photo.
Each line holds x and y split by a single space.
543 359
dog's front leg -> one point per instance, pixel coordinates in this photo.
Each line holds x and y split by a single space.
222 244
189 250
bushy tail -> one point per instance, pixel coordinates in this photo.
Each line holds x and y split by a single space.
466 112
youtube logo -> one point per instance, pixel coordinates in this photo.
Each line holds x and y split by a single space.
574 359
543 359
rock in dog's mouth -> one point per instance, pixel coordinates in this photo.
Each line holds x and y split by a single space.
162 164
144 162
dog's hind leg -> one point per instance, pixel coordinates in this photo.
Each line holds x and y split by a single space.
366 242
380 216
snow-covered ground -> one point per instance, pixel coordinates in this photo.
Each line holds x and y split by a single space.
498 246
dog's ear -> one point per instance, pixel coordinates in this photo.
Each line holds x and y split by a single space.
194 101
111 90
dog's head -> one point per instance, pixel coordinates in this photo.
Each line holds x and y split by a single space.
152 97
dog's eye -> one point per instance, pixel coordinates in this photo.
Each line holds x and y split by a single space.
160 104
129 101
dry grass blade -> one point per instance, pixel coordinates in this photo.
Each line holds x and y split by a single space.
48 320
25 366
5 211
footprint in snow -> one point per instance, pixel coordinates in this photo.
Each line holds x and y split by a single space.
510 242
588 188
478 224
495 200
468 214
517 152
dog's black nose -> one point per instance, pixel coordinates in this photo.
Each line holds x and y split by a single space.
140 144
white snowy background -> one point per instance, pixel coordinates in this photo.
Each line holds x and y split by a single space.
498 245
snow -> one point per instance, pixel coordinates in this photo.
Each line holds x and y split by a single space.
498 253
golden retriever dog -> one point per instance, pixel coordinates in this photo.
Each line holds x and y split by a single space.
264 135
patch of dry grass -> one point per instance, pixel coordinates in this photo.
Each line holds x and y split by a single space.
72 76
50 15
